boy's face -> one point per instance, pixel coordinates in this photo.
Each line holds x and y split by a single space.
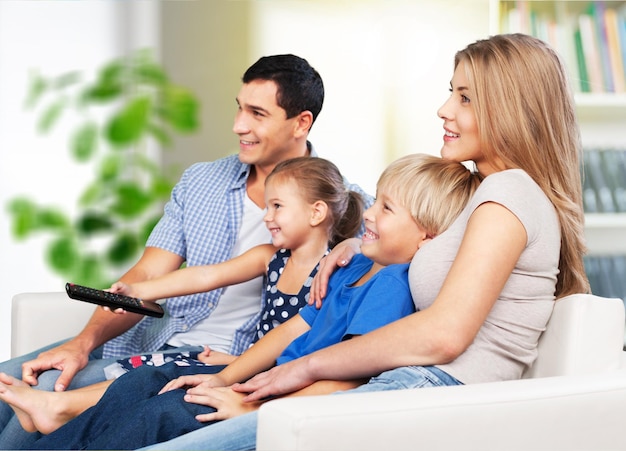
392 235
266 136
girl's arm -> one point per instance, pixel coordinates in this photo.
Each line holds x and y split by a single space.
195 279
493 242
258 358
341 255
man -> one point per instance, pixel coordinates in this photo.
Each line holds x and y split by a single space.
215 212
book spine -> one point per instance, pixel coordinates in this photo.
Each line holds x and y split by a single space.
612 23
590 52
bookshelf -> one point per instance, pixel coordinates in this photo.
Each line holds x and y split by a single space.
584 34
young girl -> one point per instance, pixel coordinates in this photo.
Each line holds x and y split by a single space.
308 210
485 289
369 294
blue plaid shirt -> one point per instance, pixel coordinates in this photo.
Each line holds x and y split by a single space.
201 224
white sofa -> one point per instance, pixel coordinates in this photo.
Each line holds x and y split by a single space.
574 397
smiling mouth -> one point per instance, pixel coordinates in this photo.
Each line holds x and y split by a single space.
451 135
369 235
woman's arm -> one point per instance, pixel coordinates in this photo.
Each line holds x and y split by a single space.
492 244
195 279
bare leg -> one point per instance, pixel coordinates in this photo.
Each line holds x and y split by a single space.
46 411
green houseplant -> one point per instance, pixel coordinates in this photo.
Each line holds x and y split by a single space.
129 106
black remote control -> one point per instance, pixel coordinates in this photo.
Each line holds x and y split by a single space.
113 300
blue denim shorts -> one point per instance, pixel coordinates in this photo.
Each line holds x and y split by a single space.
407 377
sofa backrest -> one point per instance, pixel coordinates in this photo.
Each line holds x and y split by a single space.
585 335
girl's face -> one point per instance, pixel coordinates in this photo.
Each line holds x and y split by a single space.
392 235
461 138
288 213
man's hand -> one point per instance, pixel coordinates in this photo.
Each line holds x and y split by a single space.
280 380
208 380
228 403
69 358
341 255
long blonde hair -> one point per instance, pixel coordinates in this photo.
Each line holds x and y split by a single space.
526 118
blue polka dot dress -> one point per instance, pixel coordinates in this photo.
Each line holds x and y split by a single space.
279 306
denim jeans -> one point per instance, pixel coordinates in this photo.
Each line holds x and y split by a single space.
131 414
12 436
239 433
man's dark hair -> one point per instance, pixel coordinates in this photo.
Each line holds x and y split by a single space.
299 86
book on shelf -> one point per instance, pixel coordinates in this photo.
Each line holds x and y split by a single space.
590 38
614 46
604 181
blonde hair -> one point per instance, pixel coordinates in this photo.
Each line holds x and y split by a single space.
434 190
526 119
319 179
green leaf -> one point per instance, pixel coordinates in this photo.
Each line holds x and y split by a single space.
160 135
93 222
110 167
131 200
36 88
63 81
151 73
62 254
92 194
51 115
84 141
51 218
129 124
179 108
91 272
124 248
24 213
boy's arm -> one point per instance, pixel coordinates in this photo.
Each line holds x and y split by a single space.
195 279
256 359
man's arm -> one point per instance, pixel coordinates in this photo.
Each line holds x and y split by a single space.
72 356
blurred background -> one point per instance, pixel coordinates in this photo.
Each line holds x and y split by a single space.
386 66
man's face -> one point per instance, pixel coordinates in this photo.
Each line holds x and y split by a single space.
266 136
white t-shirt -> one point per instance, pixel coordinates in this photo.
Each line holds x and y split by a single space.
238 303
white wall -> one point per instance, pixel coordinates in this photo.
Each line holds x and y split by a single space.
386 66
55 37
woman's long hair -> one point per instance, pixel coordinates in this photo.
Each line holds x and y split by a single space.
526 118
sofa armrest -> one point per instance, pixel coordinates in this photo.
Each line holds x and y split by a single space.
556 413
40 319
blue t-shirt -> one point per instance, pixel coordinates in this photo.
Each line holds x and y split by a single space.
350 310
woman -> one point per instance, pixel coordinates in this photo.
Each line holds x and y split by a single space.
484 289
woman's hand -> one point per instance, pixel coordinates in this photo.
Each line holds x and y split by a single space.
209 380
341 255
228 403
280 380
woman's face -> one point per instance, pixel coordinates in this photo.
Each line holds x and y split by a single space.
461 139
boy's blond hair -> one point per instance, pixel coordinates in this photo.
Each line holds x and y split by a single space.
434 190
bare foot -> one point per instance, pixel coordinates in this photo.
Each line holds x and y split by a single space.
36 410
